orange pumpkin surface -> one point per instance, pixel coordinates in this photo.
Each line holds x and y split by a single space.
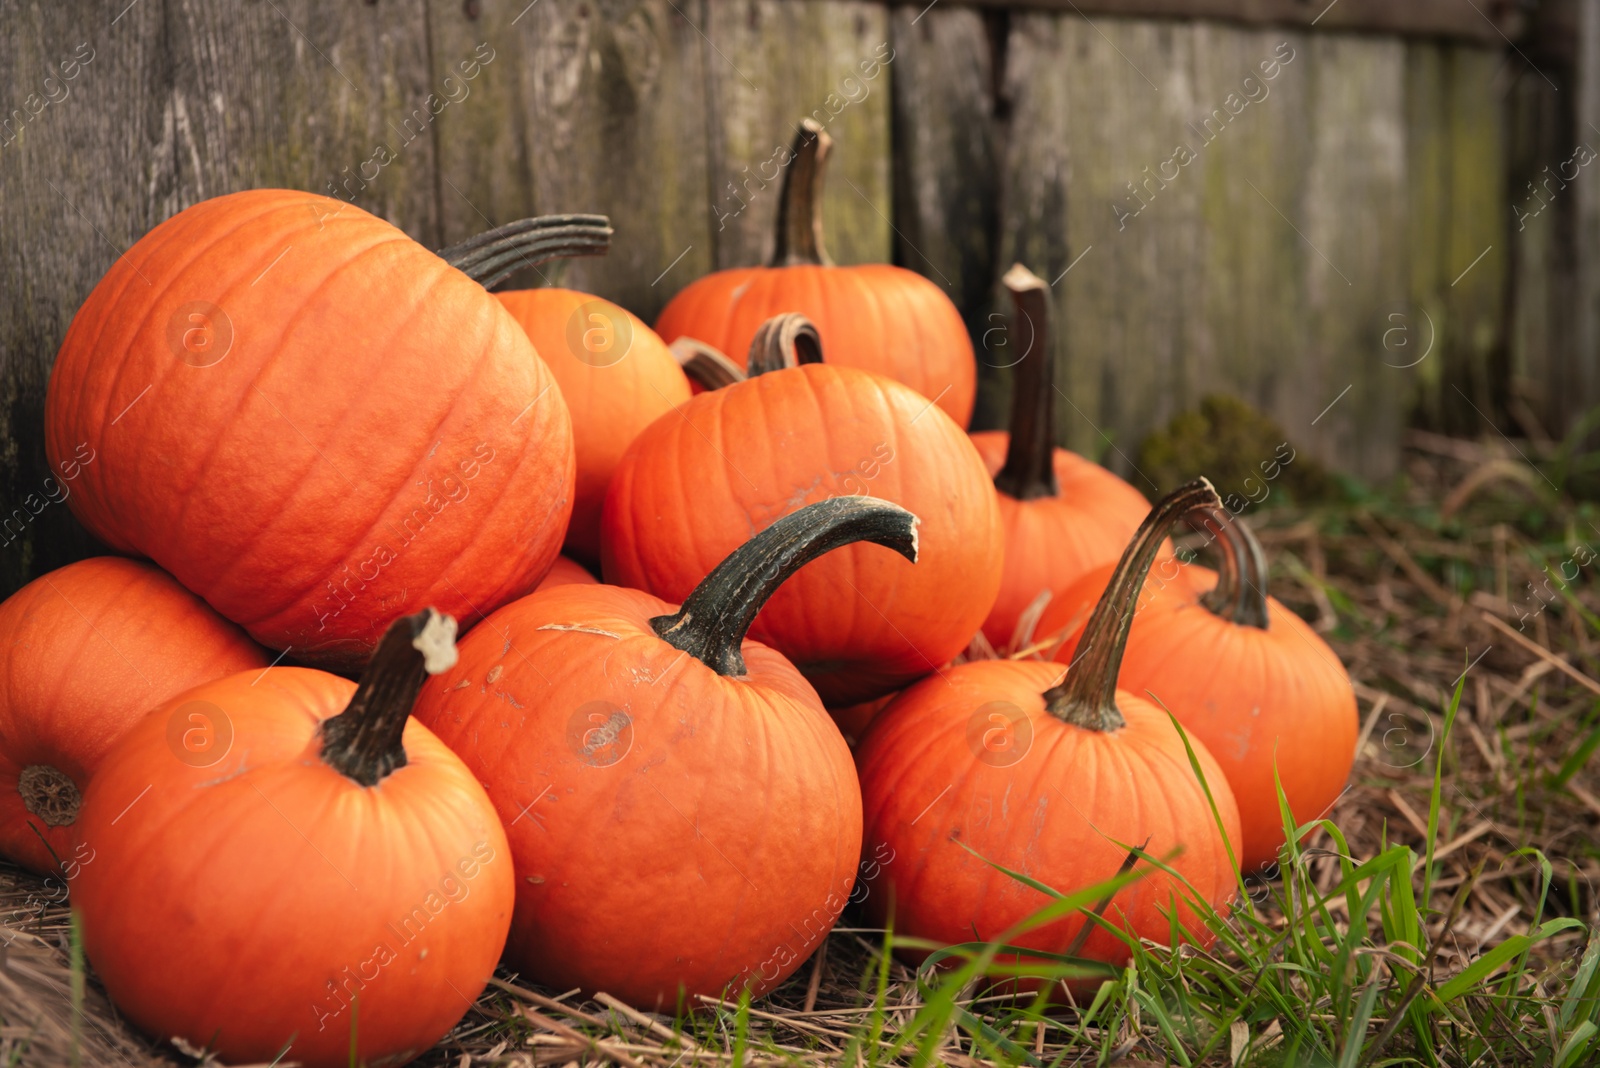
1246 676
1062 514
1005 761
314 422
859 623
874 316
617 378
567 572
323 886
85 652
685 817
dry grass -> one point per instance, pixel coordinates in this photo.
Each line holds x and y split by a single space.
1410 589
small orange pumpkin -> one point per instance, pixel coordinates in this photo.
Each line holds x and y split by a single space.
1063 514
617 378
1005 761
314 422
330 887
684 816
85 652
1243 674
858 624
875 316
566 572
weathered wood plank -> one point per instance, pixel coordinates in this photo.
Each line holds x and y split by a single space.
947 164
1487 21
771 63
1457 212
604 105
181 101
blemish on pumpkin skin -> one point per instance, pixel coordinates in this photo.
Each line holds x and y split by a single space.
581 629
494 674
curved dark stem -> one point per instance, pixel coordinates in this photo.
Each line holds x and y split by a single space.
1087 697
1030 468
1240 595
800 201
364 741
706 364
493 256
711 624
786 340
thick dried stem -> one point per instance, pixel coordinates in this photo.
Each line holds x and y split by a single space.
787 340
711 624
1087 697
705 364
363 742
1030 469
493 256
1240 595
800 201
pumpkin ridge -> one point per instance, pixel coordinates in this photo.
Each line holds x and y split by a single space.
114 300
249 391
255 609
383 514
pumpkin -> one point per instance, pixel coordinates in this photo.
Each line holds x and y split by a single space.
1006 761
617 378
566 572
1063 515
684 817
322 880
85 651
873 316
853 720
1246 676
315 423
860 623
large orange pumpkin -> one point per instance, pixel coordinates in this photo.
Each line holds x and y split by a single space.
85 651
1005 761
1246 676
330 887
314 422
696 485
1063 514
684 816
874 316
617 378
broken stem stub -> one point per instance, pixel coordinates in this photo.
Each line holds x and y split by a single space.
1030 469
799 241
363 742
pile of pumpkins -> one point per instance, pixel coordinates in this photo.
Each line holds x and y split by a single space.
326 453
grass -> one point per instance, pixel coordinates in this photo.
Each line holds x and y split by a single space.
1441 914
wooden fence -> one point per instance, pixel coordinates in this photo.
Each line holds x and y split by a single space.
1316 217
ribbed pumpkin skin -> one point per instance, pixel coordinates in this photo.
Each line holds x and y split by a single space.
860 622
228 900
566 572
1252 696
1051 541
85 652
1053 814
874 316
611 395
715 846
379 436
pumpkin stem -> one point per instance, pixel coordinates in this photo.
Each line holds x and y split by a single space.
711 624
495 255
1240 595
1030 467
363 742
50 794
1087 697
787 340
800 201
706 364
